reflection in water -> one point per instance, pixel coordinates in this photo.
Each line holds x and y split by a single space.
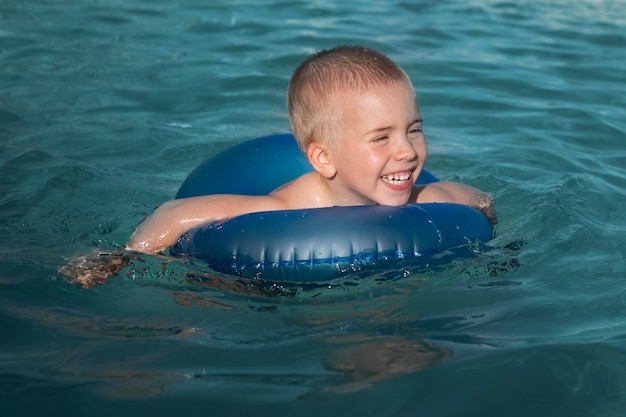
137 356
218 330
362 359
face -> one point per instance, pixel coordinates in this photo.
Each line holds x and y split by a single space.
380 149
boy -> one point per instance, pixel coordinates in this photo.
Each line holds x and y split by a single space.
354 114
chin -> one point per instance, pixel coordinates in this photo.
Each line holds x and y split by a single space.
394 202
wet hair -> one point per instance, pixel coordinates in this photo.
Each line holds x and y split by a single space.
316 86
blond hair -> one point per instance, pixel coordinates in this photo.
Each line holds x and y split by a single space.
313 95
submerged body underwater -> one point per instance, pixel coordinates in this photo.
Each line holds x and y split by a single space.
105 108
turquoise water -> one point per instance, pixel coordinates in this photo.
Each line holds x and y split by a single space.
106 106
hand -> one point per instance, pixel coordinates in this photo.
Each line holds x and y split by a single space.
95 268
485 204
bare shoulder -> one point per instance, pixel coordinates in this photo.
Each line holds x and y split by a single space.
302 192
173 218
306 191
445 192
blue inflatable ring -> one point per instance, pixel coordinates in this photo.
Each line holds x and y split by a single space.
315 245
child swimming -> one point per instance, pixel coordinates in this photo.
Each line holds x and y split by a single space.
354 114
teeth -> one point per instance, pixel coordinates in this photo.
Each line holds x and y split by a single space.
396 178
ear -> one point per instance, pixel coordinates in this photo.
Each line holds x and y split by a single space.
319 156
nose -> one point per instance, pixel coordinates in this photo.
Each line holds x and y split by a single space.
405 149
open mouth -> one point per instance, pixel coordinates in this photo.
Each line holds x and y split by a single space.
397 178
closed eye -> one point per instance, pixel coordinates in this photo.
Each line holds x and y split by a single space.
416 127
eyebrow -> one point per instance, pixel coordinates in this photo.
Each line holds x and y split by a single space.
385 128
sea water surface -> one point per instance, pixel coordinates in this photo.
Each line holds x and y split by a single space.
107 105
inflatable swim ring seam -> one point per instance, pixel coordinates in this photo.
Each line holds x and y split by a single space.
315 245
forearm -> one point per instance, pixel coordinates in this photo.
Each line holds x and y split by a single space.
161 229
455 192
480 200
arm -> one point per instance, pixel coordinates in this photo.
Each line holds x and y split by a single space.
168 222
153 235
160 231
454 192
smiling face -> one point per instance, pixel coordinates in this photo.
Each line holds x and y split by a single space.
380 148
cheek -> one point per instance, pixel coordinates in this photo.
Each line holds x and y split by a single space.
422 151
360 158
372 161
